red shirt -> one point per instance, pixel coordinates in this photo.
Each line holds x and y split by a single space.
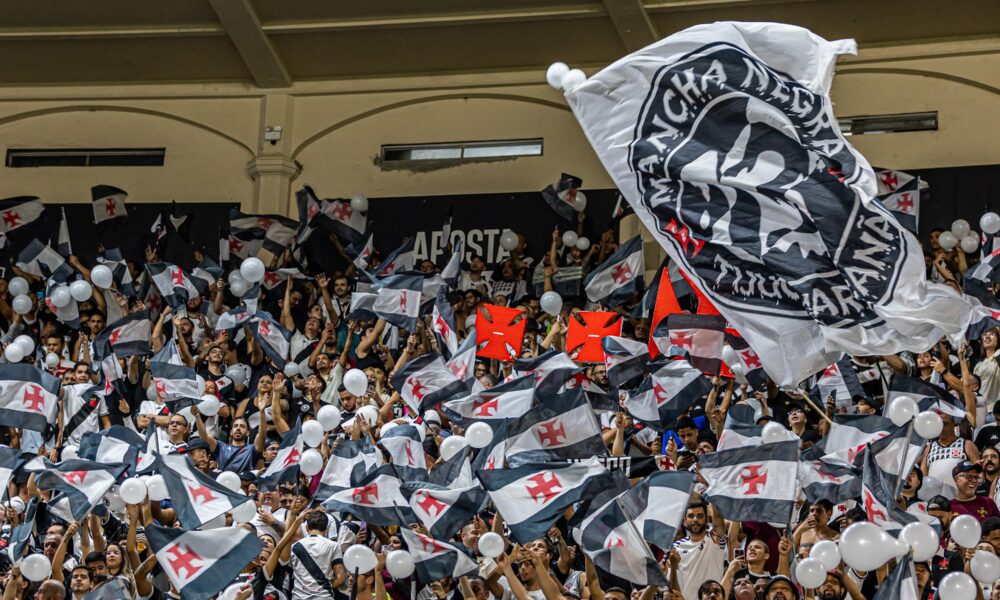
979 507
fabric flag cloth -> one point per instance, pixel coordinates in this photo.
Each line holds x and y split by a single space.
850 434
700 336
10 460
441 510
68 314
117 444
657 505
172 283
453 269
615 545
126 337
20 535
115 589
378 500
561 196
174 382
988 269
561 428
617 279
740 435
896 454
587 330
337 215
928 396
115 261
625 361
196 497
274 339
285 466
406 455
443 324
63 244
753 484
462 364
81 485
40 260
667 394
901 584
499 332
435 559
753 371
425 381
349 463
361 251
878 498
841 381
19 211
108 202
825 481
202 563
532 497
718 136
508 400
399 260
398 300
28 397
904 204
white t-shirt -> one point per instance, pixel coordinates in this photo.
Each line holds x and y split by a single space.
72 403
323 552
699 561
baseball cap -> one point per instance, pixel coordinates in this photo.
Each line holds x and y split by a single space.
964 466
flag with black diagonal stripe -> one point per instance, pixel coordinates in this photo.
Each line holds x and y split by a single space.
753 484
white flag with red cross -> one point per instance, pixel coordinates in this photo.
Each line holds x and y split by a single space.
196 497
378 500
202 563
81 484
435 559
753 484
560 428
18 212
616 280
28 397
108 202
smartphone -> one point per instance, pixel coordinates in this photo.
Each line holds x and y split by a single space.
738 554
40 295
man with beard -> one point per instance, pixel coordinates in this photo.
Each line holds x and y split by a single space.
923 572
702 550
237 455
837 588
780 588
990 460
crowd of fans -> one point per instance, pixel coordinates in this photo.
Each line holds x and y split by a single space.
711 559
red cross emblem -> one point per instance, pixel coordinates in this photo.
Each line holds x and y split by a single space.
889 179
110 207
621 273
754 477
431 505
161 388
312 211
546 486
272 278
683 235
409 455
551 433
366 495
457 368
177 277
389 268
235 245
485 407
614 542
33 398
418 390
263 222
750 358
491 463
201 494
660 393
264 329
430 544
821 474
441 326
831 371
11 218
342 211
905 203
293 458
682 339
183 558
75 477
402 300
872 509
115 334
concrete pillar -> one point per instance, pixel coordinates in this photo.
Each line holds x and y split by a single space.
273 168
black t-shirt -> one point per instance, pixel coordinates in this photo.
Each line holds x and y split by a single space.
989 437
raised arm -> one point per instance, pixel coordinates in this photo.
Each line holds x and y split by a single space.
286 308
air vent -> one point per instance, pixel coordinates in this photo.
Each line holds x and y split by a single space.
85 157
461 151
868 125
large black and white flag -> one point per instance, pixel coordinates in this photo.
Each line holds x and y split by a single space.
202 563
42 261
561 428
28 397
667 394
722 137
196 497
397 300
657 505
617 279
436 559
753 484
80 485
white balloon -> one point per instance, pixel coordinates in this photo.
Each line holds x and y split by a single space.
18 286
51 360
368 413
236 374
244 513
80 290
865 546
132 491
508 240
929 488
102 276
479 435
583 244
312 433
827 553
291 369
69 452
572 79
490 544
957 586
252 269
239 288
209 405
551 303
928 424
151 393
970 243
989 223
26 343
60 296
158 488
922 540
810 573
452 445
17 504
36 567
570 238
235 276
21 304
985 566
359 559
774 432
579 201
14 353
960 228
356 382
555 73
902 410
947 240
311 462
966 531
230 481
359 203
400 564
329 417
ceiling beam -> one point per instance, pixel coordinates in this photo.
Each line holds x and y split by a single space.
633 24
244 29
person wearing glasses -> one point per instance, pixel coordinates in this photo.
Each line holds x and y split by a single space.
967 476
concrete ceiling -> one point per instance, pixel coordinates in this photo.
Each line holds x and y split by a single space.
272 43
